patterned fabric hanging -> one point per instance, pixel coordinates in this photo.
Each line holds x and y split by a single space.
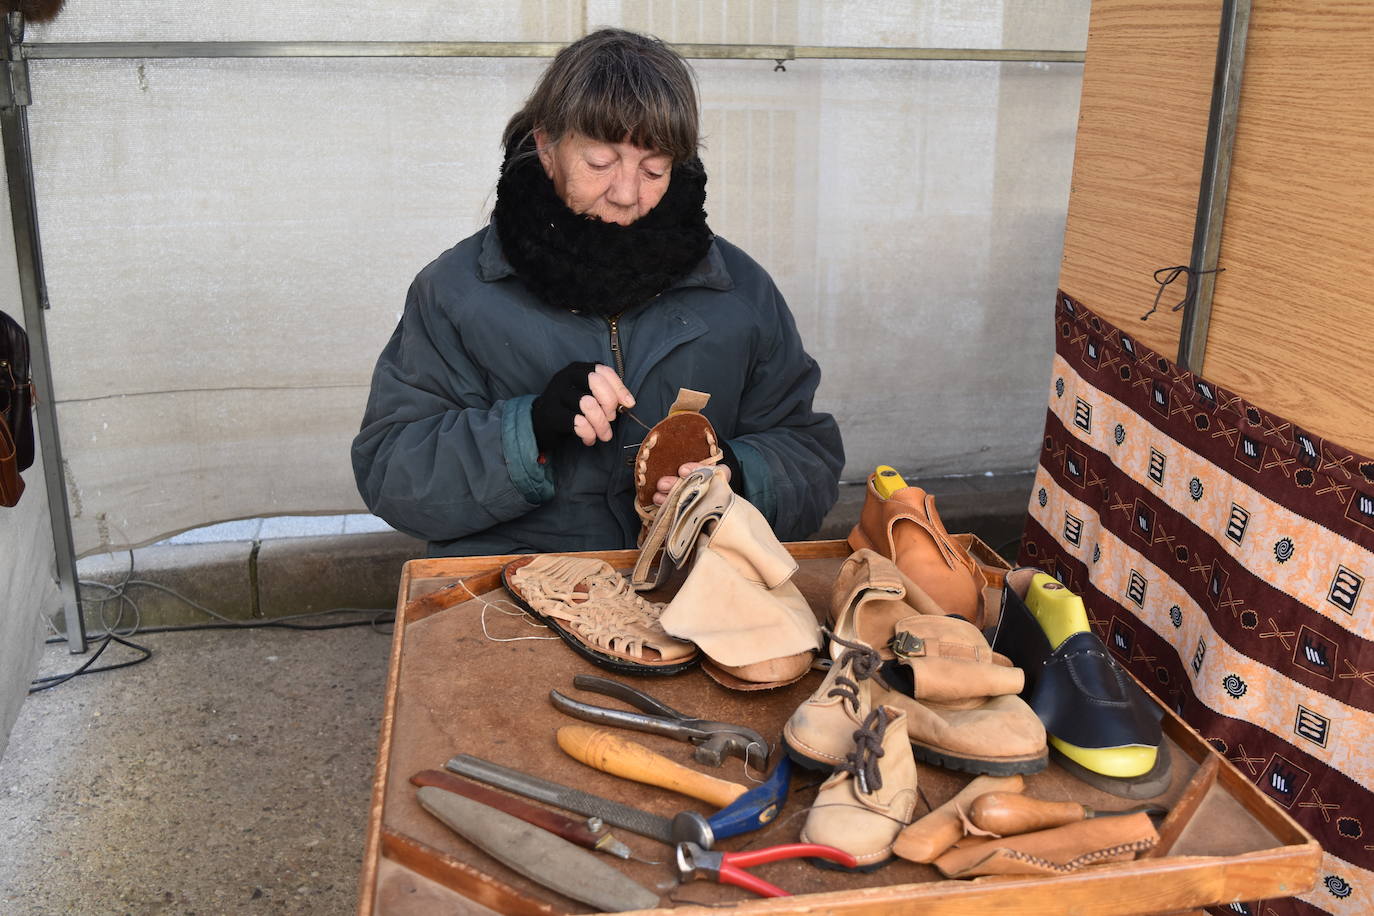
1225 556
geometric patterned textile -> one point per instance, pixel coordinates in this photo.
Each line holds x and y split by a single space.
1226 557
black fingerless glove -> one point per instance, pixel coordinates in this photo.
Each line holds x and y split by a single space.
736 472
553 412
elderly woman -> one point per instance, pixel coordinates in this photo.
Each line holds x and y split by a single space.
496 421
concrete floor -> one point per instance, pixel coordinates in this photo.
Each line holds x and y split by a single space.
229 773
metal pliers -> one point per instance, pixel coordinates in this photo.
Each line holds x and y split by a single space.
714 740
729 867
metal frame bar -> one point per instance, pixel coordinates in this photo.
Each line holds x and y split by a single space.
1216 176
33 290
109 50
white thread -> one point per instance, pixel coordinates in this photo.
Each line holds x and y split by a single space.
748 748
515 613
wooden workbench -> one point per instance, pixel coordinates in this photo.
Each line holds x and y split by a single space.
455 687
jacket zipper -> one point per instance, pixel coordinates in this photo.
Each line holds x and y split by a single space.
614 322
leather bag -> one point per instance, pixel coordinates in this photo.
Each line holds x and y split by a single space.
16 410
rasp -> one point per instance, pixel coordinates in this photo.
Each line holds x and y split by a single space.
537 854
588 833
612 812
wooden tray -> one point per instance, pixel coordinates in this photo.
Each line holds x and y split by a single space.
455 686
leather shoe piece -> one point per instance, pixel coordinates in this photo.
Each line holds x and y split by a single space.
869 598
684 436
1057 851
738 602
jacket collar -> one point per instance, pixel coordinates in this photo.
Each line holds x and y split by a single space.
710 272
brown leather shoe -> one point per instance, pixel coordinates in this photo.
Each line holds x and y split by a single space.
906 529
960 701
864 805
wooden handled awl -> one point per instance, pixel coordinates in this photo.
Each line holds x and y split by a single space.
929 837
609 752
1007 814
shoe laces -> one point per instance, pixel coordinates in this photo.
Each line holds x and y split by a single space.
862 762
862 661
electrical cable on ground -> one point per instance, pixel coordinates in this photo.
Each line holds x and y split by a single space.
45 683
119 593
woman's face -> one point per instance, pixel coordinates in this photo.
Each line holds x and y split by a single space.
614 182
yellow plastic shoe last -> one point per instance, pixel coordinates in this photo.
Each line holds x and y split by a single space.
1061 614
887 481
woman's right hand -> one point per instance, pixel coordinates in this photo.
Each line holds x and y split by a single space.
598 408
582 400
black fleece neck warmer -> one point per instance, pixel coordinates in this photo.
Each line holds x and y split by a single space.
577 262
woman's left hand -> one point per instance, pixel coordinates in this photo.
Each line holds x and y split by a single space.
666 484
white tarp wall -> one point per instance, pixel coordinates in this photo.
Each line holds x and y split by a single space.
28 592
228 242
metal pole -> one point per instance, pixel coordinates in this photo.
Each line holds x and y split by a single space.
1216 175
33 289
108 50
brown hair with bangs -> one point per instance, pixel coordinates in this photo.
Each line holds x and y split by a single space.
611 85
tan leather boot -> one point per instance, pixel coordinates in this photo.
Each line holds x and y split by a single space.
906 529
820 734
867 802
869 597
960 701
738 602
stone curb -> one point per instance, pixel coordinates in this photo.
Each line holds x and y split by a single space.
263 579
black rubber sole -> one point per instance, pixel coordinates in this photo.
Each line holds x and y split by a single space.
1147 785
805 762
980 767
601 660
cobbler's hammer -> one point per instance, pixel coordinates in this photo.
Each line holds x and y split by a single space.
742 809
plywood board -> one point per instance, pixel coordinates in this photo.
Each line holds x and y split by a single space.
1291 314
1147 89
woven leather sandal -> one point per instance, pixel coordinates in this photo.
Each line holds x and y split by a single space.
591 607
681 437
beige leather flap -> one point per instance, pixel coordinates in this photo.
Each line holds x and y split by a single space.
705 497
744 538
687 399
733 619
950 660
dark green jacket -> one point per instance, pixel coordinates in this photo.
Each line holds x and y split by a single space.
447 453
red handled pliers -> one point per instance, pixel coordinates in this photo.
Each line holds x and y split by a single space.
729 867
